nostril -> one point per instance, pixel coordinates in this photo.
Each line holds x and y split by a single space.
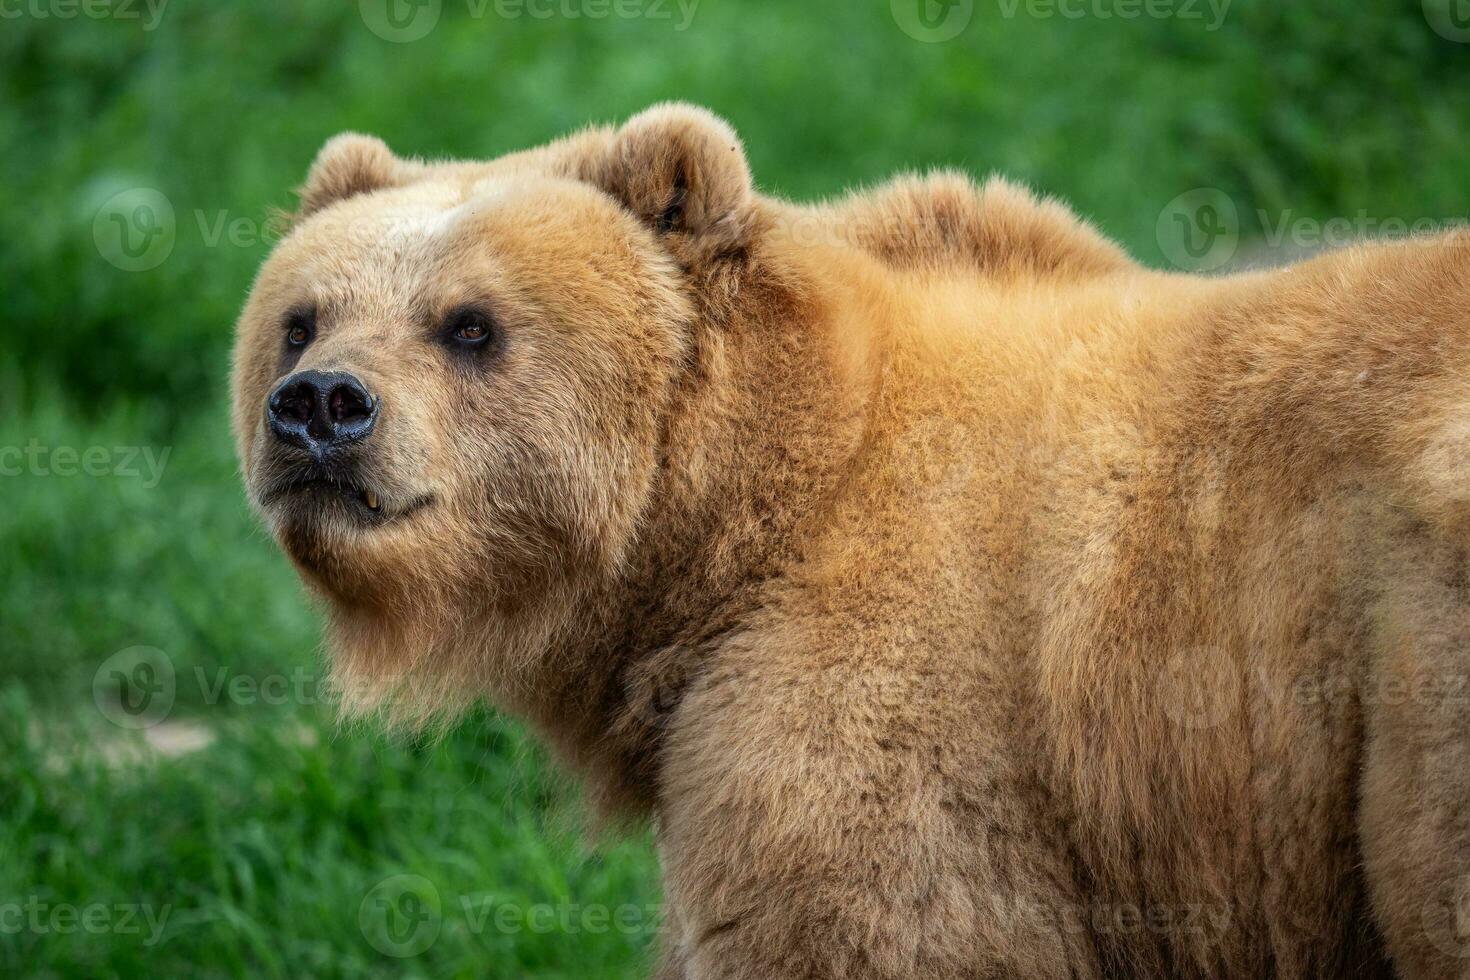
295 403
348 402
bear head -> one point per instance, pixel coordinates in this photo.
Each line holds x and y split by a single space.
451 382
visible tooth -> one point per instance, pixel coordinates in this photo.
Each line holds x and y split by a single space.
371 499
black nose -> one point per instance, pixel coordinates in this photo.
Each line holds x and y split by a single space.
320 411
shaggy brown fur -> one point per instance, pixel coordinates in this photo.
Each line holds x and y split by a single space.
960 598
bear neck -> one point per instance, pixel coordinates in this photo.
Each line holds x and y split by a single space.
764 426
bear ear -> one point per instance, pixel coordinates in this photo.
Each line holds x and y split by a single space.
347 165
682 170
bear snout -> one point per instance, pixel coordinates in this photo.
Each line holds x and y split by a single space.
321 412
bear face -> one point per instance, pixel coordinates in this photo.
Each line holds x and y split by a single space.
476 325
450 380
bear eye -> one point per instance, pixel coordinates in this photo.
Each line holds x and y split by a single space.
468 327
300 328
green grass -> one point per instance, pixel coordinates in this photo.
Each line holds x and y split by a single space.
258 851
265 845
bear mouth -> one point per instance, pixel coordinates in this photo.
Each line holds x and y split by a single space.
308 497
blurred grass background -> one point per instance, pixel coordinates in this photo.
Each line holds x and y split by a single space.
263 830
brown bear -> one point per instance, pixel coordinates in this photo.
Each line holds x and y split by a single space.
955 596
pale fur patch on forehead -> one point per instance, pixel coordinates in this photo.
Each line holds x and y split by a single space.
381 242
394 224
487 190
423 224
422 214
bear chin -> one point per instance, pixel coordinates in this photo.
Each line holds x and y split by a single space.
346 558
337 570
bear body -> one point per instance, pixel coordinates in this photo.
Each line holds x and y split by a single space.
958 598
